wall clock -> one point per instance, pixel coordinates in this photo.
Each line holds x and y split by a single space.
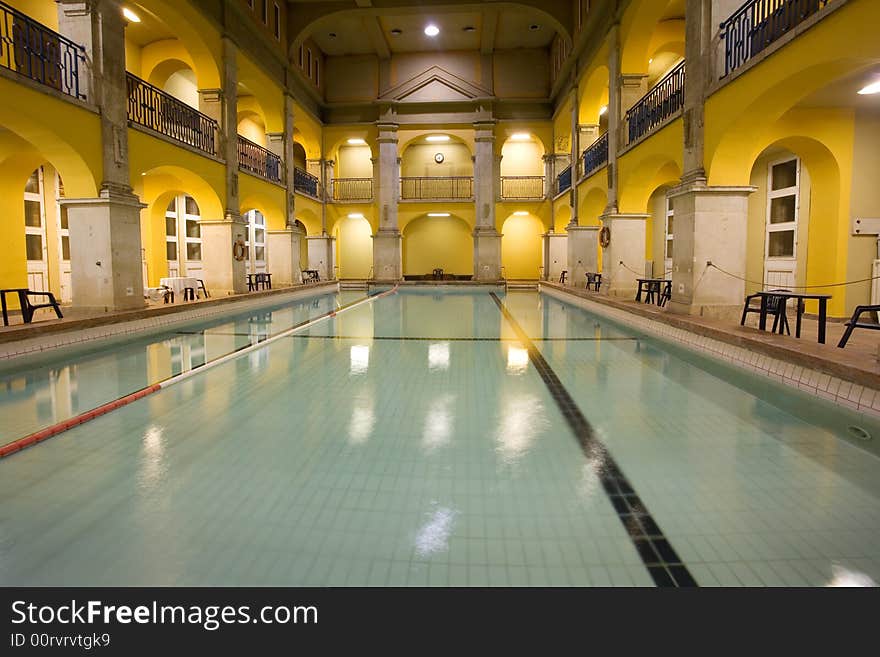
438 158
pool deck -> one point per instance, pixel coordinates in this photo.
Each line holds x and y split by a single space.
858 362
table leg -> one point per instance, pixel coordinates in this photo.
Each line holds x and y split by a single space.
822 310
3 302
762 318
800 314
639 293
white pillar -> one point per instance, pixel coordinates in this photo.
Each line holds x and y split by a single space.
583 253
283 255
321 256
623 260
387 245
555 255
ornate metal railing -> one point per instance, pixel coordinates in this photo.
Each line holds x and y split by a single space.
596 155
306 183
563 180
758 23
352 189
152 108
522 187
661 103
260 161
36 52
445 187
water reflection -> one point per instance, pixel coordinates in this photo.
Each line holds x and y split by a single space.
523 418
843 577
363 420
153 461
517 360
438 423
434 535
360 359
438 356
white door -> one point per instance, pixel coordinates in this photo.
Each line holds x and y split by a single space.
667 246
63 241
183 237
172 252
783 193
35 233
255 263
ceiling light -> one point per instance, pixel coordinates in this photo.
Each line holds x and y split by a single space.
357 142
535 27
332 35
356 215
651 61
469 28
871 89
521 213
439 214
396 31
436 138
130 16
521 136
432 30
603 110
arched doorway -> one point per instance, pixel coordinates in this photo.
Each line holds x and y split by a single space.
521 246
438 242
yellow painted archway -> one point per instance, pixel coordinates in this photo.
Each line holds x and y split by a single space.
431 243
521 247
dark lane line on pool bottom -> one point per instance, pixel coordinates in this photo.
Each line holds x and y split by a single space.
659 557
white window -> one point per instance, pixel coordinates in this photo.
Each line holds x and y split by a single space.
35 233
670 219
255 262
183 237
783 190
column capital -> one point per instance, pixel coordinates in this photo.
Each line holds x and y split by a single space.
632 79
211 95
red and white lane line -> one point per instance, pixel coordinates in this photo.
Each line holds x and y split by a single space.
103 409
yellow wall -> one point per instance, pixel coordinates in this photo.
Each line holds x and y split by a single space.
354 162
522 159
521 247
418 160
250 129
354 248
438 242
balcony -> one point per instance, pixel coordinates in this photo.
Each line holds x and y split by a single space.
660 104
352 190
259 161
596 156
306 183
36 52
522 188
449 188
152 108
563 181
758 23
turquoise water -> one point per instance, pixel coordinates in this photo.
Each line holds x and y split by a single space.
410 441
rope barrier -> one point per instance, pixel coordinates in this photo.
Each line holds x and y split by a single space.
796 287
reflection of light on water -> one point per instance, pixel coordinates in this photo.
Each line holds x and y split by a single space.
843 577
360 359
434 536
363 419
154 453
522 420
517 360
438 423
438 356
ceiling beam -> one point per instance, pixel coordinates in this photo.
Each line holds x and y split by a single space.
377 36
490 28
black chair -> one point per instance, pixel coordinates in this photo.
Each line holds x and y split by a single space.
203 288
28 308
167 294
252 282
854 323
775 307
562 276
665 294
189 294
595 280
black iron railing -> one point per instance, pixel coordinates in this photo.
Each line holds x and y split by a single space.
152 108
522 187
445 187
563 180
596 155
352 189
36 52
306 183
660 104
258 160
758 23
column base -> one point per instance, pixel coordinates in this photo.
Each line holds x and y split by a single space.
555 255
105 252
387 255
322 256
283 251
487 255
583 254
222 273
623 260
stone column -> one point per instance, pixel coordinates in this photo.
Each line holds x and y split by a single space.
555 255
487 239
321 256
614 116
387 245
583 253
575 156
623 261
105 238
549 176
283 249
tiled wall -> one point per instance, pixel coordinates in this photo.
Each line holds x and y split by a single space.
853 396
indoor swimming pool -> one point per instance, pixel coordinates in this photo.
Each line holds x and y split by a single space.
432 437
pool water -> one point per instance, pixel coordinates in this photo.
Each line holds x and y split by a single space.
421 439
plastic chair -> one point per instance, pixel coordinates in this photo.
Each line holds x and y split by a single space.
775 307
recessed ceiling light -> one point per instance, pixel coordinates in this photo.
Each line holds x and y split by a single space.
439 214
432 30
355 215
357 142
130 15
521 136
437 138
603 110
332 35
521 213
534 27
396 31
651 61
871 89
469 28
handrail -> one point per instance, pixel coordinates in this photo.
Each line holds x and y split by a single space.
436 187
352 189
659 104
522 187
306 183
31 49
152 108
563 180
758 23
259 160
596 155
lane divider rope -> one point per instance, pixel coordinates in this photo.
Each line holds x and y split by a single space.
103 409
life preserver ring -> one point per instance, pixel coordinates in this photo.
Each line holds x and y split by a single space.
605 237
239 249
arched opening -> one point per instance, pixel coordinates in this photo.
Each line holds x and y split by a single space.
354 247
183 237
521 246
660 227
299 156
522 167
436 166
439 242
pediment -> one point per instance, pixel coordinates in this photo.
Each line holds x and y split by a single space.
436 85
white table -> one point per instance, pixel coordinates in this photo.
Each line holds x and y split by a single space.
178 283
